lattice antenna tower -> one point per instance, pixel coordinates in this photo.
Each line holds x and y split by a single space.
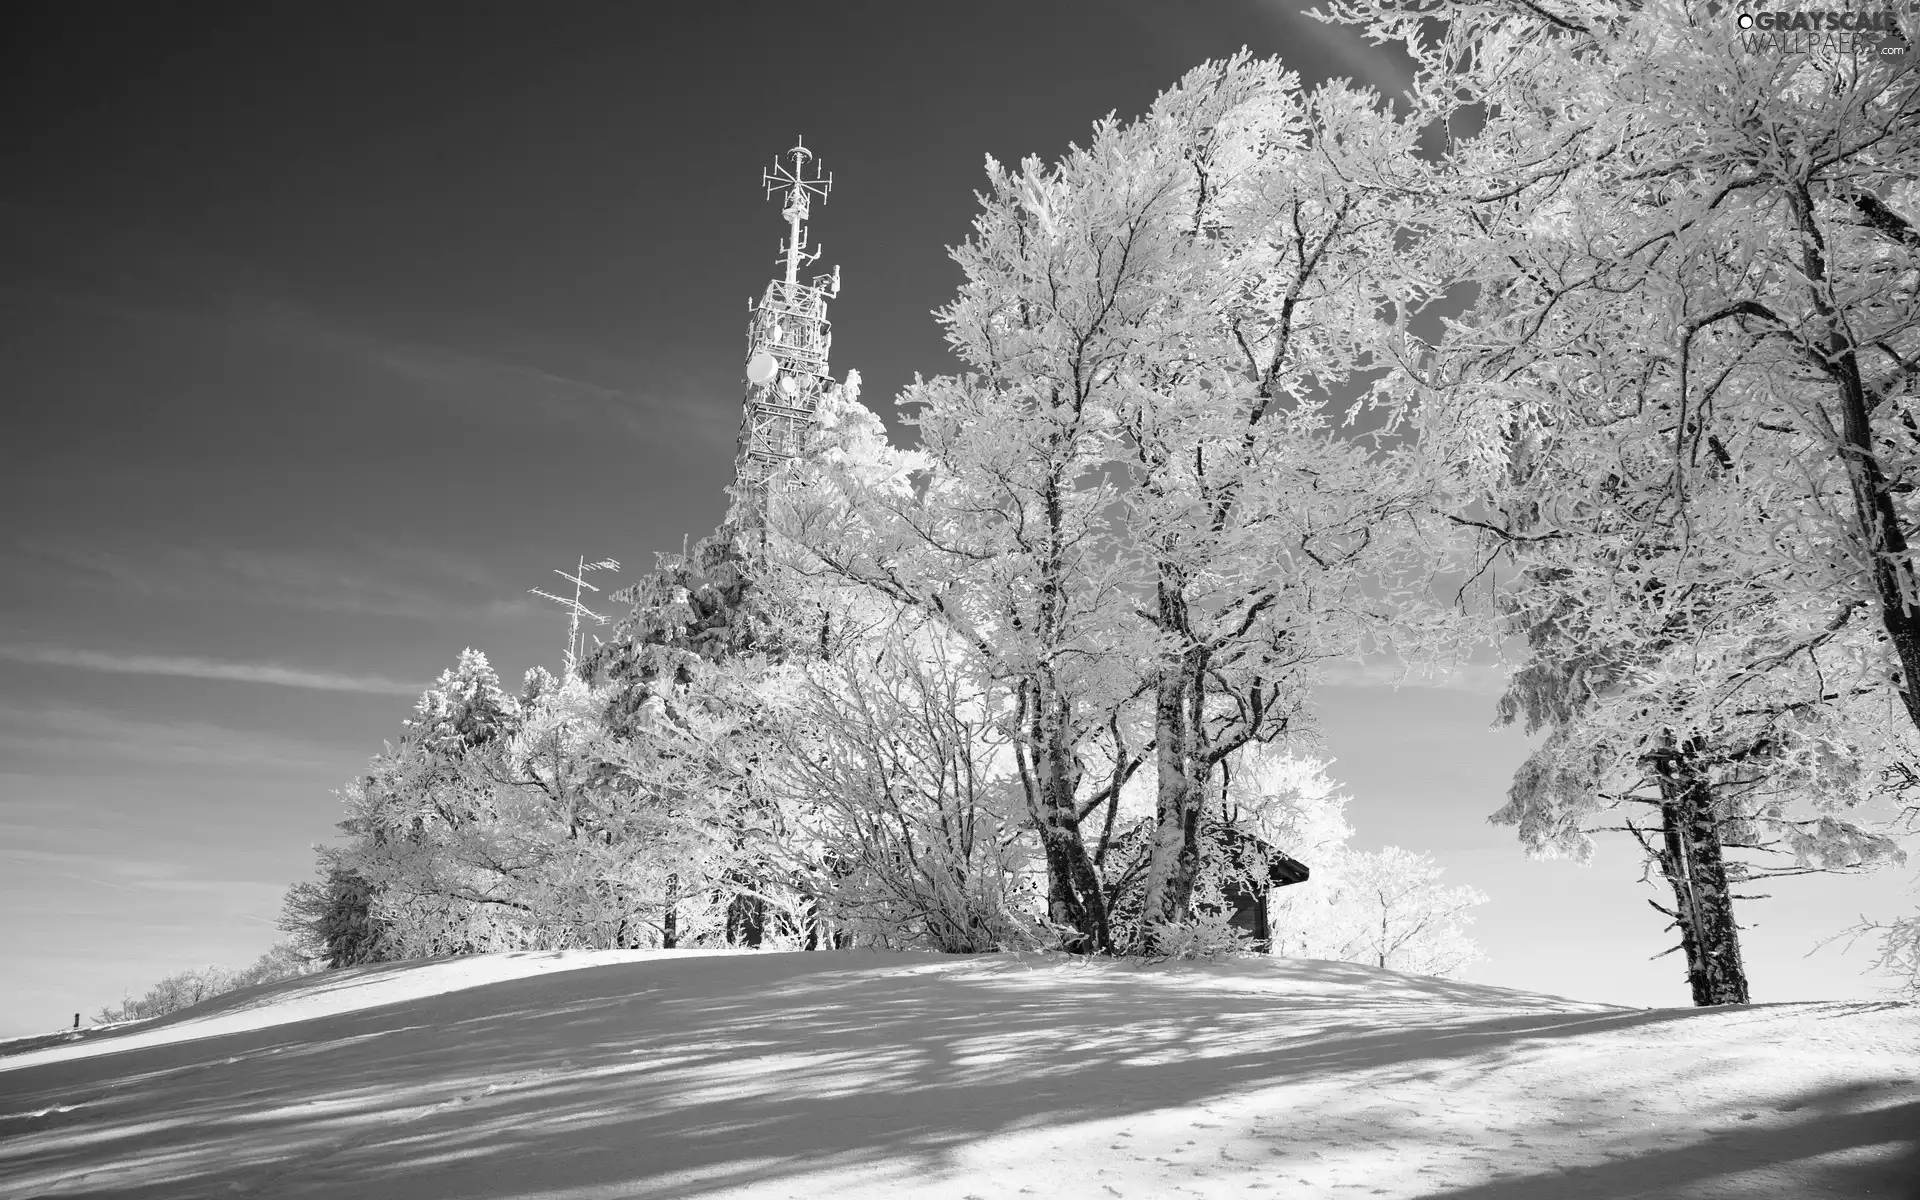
788 338
576 609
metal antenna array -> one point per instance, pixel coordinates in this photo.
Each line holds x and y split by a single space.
788 338
575 608
800 192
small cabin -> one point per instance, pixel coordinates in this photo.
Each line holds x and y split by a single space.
1248 886
1250 902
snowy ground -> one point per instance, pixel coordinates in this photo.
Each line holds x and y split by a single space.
849 1075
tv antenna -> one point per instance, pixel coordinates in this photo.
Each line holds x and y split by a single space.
576 609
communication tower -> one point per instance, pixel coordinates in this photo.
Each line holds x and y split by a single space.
788 337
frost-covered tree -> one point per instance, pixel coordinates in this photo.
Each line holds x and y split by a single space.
893 761
679 673
1388 908
415 798
560 833
1710 734
184 989
478 831
1680 392
995 525
1385 908
1898 950
464 708
1145 467
1263 531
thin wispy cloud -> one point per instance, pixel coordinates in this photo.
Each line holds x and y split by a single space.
203 668
211 299
66 735
316 583
519 386
128 874
483 385
547 384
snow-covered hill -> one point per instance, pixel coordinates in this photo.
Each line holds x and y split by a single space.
854 1074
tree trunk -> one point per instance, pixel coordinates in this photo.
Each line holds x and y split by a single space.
746 917
1881 534
1685 911
1696 865
1180 748
670 921
1719 935
1179 718
1161 902
1074 898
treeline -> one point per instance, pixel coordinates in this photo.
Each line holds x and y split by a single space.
847 803
1600 342
184 989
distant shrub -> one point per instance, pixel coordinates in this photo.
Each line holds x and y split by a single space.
184 989
283 960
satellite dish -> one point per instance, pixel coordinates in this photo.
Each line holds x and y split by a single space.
789 385
762 367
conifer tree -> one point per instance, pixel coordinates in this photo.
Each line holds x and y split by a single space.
678 675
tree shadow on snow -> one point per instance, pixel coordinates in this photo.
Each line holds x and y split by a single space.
1841 1120
685 1077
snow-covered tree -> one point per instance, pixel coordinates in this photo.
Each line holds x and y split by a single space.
995 525
1714 719
490 825
893 761
463 709
705 636
1145 468
1898 951
1681 394
184 989
1262 529
1386 908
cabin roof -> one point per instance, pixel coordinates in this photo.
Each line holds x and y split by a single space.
1282 869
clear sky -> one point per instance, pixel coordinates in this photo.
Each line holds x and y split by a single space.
328 331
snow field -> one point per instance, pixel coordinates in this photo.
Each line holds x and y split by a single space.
855 1074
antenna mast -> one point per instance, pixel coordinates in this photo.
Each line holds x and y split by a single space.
788 338
575 608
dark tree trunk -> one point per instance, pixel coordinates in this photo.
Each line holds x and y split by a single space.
1174 852
1881 532
670 920
1719 935
1074 898
1695 863
1181 759
746 919
1685 912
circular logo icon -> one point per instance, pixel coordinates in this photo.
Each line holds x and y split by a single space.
1745 21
